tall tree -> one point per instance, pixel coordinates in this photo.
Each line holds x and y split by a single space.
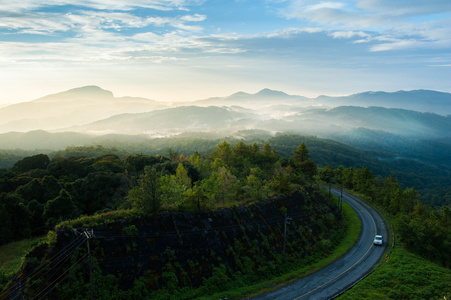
301 160
227 184
196 196
171 190
181 174
39 161
15 218
223 152
301 154
60 208
147 194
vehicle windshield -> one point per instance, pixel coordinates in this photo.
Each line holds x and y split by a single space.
378 238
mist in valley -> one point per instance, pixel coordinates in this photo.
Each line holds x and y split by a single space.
93 111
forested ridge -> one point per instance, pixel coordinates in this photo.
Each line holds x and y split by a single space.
44 192
422 164
40 192
63 192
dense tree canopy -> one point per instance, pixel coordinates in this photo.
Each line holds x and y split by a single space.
41 192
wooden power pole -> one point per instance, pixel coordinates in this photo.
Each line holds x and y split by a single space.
88 236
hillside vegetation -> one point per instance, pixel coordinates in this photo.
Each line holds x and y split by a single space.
404 276
234 247
116 195
422 164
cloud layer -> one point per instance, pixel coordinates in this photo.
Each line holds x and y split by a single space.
325 37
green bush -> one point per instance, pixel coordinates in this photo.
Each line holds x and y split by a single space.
131 230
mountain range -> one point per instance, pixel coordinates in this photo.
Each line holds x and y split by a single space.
70 108
95 112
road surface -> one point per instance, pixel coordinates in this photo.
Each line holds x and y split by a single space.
338 276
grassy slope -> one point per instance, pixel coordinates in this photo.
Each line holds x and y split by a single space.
11 257
404 276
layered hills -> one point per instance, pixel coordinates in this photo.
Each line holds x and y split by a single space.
91 109
86 105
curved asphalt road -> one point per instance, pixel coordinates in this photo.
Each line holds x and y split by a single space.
338 276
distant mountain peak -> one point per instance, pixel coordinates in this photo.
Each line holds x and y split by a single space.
269 92
239 94
88 90
84 92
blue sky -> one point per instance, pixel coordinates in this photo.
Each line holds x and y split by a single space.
193 49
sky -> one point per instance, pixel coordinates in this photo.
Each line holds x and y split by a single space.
171 50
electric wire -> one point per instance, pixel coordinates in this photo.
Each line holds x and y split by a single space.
57 256
264 222
62 260
54 261
38 271
69 249
52 284
64 254
260 224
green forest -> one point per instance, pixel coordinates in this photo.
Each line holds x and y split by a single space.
90 184
38 193
421 164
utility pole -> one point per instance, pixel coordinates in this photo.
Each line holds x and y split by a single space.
341 198
286 221
88 236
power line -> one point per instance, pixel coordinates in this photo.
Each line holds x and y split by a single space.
55 260
65 253
88 237
57 280
263 223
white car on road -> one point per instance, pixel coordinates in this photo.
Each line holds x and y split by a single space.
378 240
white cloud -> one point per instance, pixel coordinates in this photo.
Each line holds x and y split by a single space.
54 22
412 23
406 7
101 4
38 23
193 18
90 35
317 44
288 32
396 45
324 5
349 34
225 50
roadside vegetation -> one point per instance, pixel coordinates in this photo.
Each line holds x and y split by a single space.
419 265
404 276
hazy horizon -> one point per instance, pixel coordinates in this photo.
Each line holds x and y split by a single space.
115 95
196 49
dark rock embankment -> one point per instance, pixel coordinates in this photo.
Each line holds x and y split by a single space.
193 244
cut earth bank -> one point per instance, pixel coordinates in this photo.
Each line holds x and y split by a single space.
193 246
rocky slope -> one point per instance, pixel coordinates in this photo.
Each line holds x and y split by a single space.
246 239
